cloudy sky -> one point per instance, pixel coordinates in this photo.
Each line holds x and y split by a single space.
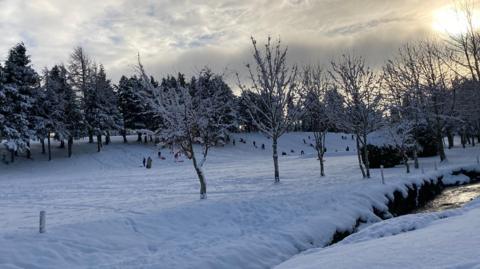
185 35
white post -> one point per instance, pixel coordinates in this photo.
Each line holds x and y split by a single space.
381 172
42 222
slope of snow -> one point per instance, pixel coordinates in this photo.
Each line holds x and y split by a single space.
104 210
447 239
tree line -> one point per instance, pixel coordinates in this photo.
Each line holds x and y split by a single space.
428 90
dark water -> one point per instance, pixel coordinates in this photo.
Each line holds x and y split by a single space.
452 197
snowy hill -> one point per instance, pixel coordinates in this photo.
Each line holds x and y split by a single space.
104 210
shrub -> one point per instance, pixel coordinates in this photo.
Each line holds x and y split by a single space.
386 155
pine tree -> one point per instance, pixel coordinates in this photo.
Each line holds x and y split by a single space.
69 122
80 70
102 112
20 87
130 104
211 86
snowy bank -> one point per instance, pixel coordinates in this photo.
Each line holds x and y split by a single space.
447 239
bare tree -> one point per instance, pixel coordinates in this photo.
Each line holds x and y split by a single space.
362 101
190 118
403 94
439 99
315 84
464 47
274 83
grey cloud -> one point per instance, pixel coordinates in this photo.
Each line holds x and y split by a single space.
185 35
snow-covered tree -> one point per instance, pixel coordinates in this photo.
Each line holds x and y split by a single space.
101 111
71 123
19 90
275 83
467 109
80 73
360 87
436 78
212 86
130 104
316 84
189 119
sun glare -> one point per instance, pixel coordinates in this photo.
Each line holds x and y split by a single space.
447 20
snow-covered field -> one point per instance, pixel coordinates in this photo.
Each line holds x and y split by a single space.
104 210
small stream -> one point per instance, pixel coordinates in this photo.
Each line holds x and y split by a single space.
452 197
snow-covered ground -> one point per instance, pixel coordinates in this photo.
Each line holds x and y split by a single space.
449 239
104 210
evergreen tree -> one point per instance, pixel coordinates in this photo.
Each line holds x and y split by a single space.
19 90
70 123
102 113
209 86
130 104
80 74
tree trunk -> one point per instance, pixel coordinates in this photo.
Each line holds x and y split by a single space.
365 152
145 139
124 134
320 147
139 137
322 168
62 144
462 139
275 160
107 138
90 136
450 139
12 155
359 152
99 143
441 148
70 144
201 178
42 141
405 161
49 145
29 152
415 156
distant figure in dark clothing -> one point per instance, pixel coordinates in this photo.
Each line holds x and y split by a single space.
149 163
308 137
292 151
302 152
254 144
233 142
160 154
352 137
263 146
304 142
144 161
284 153
348 148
